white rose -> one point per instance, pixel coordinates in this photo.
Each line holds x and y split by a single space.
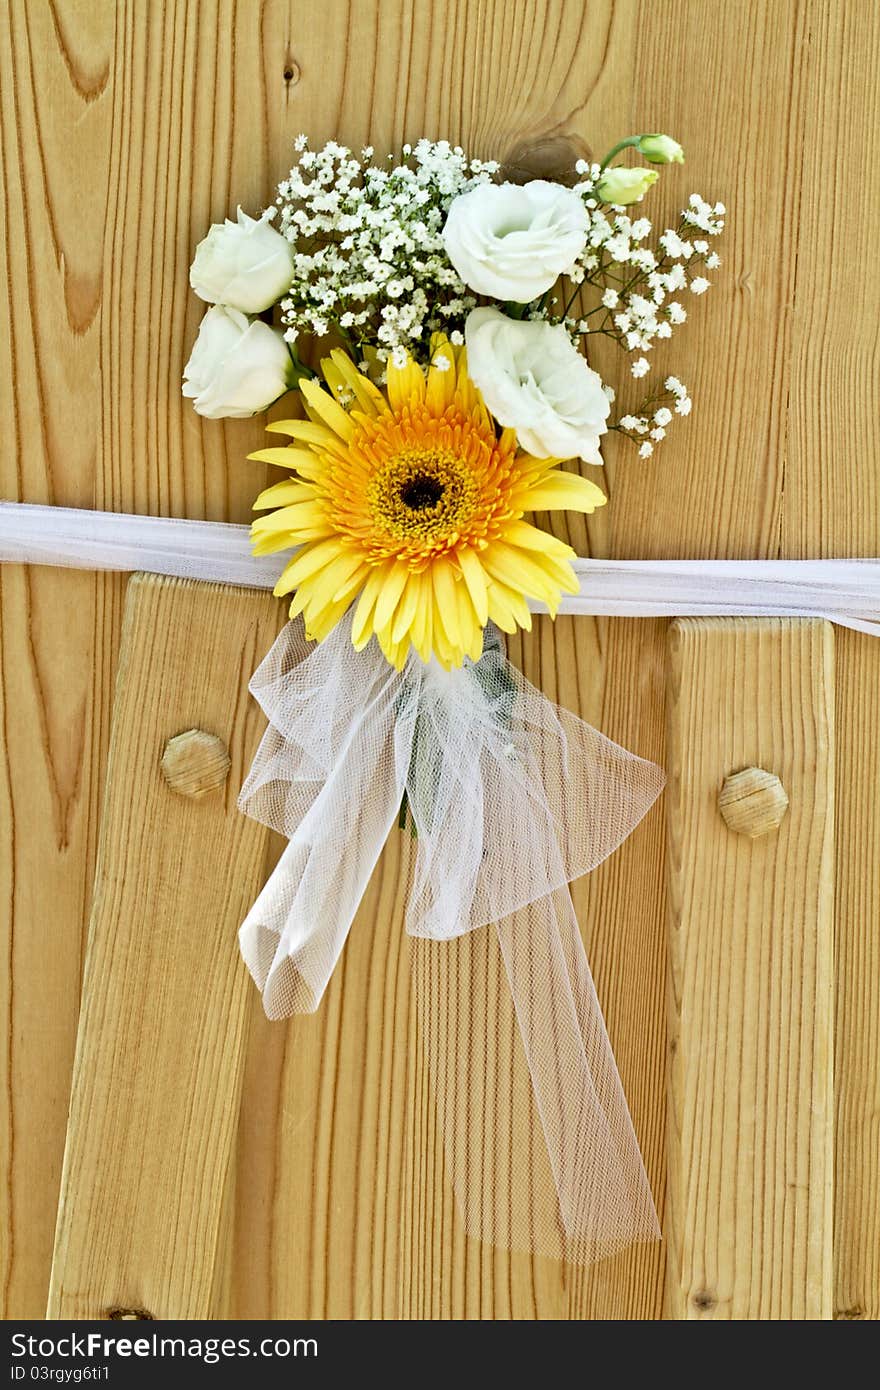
246 265
512 241
236 367
535 382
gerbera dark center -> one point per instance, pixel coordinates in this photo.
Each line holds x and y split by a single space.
421 492
423 497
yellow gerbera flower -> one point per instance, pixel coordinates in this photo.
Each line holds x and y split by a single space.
413 504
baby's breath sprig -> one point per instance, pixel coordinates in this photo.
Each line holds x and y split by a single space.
369 263
639 288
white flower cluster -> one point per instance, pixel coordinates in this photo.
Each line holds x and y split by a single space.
369 260
384 255
642 288
654 423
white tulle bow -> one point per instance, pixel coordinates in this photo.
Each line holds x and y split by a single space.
511 798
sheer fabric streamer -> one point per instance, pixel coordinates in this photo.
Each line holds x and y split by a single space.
511 798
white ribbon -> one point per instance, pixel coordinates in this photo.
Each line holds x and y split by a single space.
845 591
511 798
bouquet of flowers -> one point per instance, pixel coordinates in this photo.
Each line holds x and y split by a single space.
449 313
456 312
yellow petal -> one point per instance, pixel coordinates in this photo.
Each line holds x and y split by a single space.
281 426
528 537
475 650
327 586
362 626
391 591
298 602
469 627
423 623
440 388
406 609
445 601
567 491
291 490
561 573
508 609
334 378
519 571
270 545
321 624
289 540
311 559
284 583
406 385
286 457
368 396
305 513
475 579
394 652
470 397
499 610
319 436
321 404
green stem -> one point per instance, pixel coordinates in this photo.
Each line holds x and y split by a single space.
628 143
299 366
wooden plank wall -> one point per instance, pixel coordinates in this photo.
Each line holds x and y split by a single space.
127 127
751 945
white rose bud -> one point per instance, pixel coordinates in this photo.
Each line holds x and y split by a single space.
246 265
237 367
512 241
624 186
660 149
535 382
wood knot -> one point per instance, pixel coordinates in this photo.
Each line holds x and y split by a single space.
550 157
703 1300
195 763
752 802
130 1315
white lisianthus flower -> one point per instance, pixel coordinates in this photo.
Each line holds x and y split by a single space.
237 367
661 149
246 265
623 185
535 382
512 241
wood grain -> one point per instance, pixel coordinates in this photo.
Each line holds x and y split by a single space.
160 1048
832 492
749 1220
59 634
115 155
126 128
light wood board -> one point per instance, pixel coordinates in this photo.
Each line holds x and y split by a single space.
126 129
751 1107
160 1051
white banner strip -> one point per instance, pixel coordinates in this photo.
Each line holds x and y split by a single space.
845 591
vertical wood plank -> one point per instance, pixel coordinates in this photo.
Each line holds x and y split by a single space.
832 508
750 1134
116 153
160 1048
58 636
